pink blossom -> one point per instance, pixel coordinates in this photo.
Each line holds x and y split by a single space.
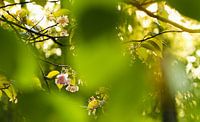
62 79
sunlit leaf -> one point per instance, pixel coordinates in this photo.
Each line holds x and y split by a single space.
10 92
142 53
148 46
4 82
0 94
10 1
53 74
60 86
73 81
61 12
155 45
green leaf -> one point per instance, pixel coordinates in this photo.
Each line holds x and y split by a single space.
10 92
10 1
188 8
96 18
155 45
148 46
53 74
61 12
66 4
0 94
39 106
142 53
60 86
40 2
3 81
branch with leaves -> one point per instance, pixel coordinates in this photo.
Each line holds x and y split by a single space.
183 28
53 38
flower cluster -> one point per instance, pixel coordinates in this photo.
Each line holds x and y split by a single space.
67 78
97 102
64 80
63 20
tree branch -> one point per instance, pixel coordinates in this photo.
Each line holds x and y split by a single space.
137 5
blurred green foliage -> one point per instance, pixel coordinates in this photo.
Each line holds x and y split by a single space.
50 74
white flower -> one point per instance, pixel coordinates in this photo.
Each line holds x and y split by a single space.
72 88
63 20
191 59
64 33
62 79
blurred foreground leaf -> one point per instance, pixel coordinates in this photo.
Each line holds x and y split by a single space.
17 60
42 107
127 94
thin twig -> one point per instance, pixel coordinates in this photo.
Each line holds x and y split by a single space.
12 16
34 38
49 27
54 64
37 23
153 36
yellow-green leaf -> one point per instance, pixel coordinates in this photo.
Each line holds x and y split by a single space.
10 92
10 1
3 81
40 2
53 74
155 45
59 86
61 12
36 82
0 94
73 81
